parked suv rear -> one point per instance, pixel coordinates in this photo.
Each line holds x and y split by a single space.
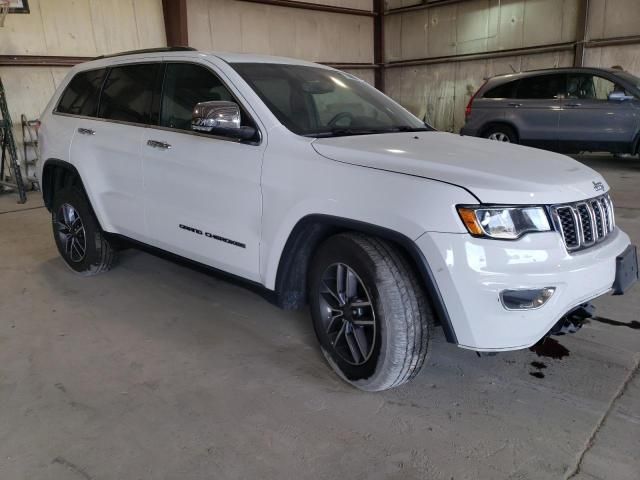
568 110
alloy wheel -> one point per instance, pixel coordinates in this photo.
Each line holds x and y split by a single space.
71 232
499 137
347 313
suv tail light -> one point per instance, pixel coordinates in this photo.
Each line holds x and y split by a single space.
467 111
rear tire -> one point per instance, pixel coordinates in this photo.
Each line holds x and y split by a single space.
501 133
369 311
78 235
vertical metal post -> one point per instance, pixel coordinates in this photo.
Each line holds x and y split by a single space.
581 32
378 43
175 22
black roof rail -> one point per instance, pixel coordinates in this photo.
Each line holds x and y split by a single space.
148 50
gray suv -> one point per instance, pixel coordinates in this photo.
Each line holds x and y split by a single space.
562 109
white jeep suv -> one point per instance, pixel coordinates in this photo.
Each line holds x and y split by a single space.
316 187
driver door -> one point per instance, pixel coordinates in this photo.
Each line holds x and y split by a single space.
202 193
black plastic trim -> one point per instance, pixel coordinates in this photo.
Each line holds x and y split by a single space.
332 224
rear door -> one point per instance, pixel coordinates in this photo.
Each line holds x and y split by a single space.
535 110
202 193
106 148
589 121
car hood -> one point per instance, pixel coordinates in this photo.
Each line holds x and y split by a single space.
495 172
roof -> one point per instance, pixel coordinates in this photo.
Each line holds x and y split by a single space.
228 57
555 70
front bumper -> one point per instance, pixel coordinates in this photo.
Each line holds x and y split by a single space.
471 272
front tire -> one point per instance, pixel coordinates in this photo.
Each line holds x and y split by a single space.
78 235
369 311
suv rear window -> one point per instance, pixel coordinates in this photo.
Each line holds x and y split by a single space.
82 94
542 87
506 90
128 92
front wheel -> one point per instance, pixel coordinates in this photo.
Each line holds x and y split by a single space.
369 311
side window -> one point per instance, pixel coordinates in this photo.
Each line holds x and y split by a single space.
540 87
506 90
82 94
128 92
277 92
185 85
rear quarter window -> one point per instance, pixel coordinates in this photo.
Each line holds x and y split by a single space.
82 94
506 90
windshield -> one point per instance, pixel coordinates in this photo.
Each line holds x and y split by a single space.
318 102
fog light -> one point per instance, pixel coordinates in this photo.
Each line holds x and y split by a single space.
526 299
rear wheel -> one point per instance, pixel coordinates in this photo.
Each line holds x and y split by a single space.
77 234
501 133
369 312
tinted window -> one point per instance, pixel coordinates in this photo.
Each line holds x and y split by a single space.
506 90
590 87
82 94
541 87
128 92
185 85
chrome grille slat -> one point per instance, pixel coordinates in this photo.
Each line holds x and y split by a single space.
584 224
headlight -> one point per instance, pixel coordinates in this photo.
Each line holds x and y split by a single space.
507 223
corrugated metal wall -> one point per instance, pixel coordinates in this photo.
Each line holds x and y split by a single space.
232 26
438 91
70 28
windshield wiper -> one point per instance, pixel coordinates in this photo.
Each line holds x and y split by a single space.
346 131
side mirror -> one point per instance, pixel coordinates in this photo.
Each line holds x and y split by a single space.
220 118
618 96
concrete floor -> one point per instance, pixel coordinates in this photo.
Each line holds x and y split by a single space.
157 371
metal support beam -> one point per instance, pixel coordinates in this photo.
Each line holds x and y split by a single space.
175 22
40 61
614 41
378 43
556 47
581 32
422 6
313 6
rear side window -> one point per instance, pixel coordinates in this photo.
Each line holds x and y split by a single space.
542 87
82 94
128 92
506 90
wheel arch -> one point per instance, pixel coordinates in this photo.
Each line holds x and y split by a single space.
57 174
312 230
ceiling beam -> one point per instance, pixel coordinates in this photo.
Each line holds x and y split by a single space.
175 22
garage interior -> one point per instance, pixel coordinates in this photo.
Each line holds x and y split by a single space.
160 371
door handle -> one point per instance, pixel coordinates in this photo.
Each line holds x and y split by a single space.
86 131
157 144
574 104
515 105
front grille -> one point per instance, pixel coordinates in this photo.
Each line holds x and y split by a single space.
583 224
